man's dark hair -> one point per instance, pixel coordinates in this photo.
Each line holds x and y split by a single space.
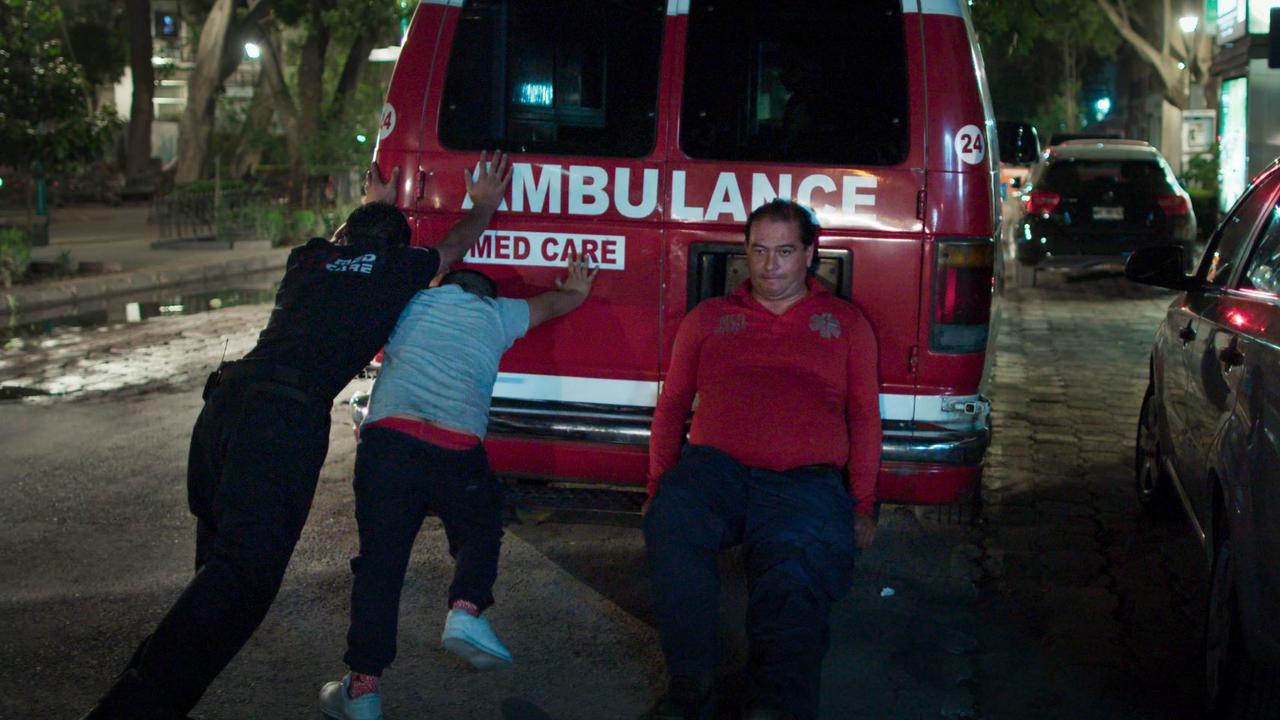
793 212
377 226
473 281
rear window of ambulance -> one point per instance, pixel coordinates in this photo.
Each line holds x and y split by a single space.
812 81
568 77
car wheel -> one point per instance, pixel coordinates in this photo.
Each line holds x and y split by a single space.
1155 489
1024 276
1237 686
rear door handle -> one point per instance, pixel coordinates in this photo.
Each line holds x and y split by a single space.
1231 355
1187 334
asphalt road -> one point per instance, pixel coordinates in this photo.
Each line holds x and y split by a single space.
1066 603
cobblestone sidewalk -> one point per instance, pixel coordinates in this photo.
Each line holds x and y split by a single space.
1087 609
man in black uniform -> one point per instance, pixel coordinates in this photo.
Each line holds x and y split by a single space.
261 439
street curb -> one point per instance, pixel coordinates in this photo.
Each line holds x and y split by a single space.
70 292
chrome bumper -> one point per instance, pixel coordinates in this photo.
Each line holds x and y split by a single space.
904 441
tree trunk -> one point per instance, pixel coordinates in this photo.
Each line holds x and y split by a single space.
196 125
256 124
282 101
310 103
1071 86
353 68
140 110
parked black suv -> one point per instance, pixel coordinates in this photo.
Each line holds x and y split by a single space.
1093 202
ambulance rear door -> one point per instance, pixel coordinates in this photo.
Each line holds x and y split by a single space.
572 88
819 101
400 124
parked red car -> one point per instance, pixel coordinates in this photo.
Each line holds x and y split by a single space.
1209 436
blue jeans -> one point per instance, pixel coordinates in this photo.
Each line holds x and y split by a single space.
399 479
796 530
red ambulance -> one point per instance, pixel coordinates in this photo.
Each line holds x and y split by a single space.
644 134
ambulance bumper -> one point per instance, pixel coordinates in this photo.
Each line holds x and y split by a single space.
903 441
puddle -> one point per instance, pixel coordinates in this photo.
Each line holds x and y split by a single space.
140 306
9 392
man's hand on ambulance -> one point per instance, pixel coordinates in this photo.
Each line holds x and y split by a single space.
581 275
489 187
486 190
569 294
378 190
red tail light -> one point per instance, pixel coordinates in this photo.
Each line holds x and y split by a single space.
1041 201
1174 204
962 296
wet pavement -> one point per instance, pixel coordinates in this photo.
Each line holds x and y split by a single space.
1066 602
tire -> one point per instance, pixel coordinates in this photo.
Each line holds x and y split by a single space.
1238 687
1155 488
1024 276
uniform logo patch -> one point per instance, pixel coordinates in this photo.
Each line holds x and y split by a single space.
825 325
362 264
731 324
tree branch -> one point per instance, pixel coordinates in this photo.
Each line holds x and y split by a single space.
1163 64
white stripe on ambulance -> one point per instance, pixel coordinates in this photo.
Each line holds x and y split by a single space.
585 190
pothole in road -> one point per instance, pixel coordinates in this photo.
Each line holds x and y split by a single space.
13 392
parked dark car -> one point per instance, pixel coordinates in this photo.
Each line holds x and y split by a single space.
1209 436
1093 202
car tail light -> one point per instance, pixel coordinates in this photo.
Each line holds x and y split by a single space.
1174 204
1041 201
962 295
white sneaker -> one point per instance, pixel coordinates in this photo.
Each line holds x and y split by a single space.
336 702
473 639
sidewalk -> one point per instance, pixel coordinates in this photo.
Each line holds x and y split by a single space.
120 238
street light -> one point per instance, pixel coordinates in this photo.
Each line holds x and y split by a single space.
252 51
1188 23
1103 106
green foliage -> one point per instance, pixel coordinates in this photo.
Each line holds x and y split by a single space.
306 224
15 255
1024 43
269 224
1201 172
43 112
1204 203
100 42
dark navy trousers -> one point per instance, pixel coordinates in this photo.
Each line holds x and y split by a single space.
796 530
256 453
399 479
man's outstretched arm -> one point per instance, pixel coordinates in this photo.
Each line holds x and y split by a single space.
570 293
486 190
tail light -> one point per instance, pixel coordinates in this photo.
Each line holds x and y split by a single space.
1174 204
962 289
1040 201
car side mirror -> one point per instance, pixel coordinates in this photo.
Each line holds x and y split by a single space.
1159 265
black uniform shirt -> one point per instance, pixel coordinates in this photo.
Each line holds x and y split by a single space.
336 307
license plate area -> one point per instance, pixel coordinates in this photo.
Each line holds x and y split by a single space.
717 269
1107 212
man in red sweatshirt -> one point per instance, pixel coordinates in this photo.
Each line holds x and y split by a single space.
782 458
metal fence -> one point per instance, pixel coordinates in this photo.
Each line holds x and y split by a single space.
213 215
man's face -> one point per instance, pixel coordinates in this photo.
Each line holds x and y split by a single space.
777 260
